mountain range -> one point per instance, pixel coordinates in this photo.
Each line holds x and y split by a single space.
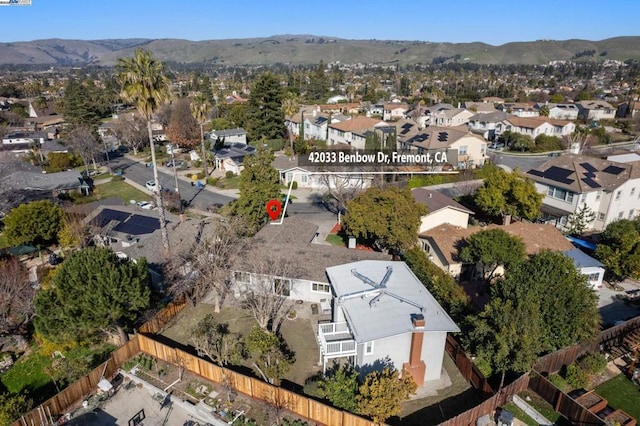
308 49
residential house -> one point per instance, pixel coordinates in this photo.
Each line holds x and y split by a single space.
375 110
594 110
231 157
609 189
315 123
440 210
394 111
406 129
377 308
480 107
485 124
229 136
315 177
16 139
535 126
451 117
352 132
520 109
442 244
463 149
563 111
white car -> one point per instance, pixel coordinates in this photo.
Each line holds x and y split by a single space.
145 205
151 186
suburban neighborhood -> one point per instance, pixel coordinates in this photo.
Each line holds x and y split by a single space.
410 237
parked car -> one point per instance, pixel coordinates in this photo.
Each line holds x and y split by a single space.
151 186
145 205
181 164
497 146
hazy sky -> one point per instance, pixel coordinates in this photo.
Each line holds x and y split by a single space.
490 21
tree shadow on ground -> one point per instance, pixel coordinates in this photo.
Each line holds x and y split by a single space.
440 411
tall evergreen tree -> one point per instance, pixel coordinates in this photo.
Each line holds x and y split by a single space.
259 183
318 85
265 116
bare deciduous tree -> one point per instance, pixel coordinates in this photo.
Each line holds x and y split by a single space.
84 143
16 296
215 341
340 189
203 273
132 131
267 294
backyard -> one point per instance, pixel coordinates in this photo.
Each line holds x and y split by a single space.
621 393
115 188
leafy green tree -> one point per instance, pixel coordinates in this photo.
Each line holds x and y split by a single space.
217 342
220 123
492 248
544 143
144 84
619 249
505 193
441 285
92 291
265 118
290 106
11 407
259 183
386 218
568 305
77 107
405 89
36 223
340 386
580 220
382 392
509 334
201 109
521 142
318 87
557 98
544 111
268 358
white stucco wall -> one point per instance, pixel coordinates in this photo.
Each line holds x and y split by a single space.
446 215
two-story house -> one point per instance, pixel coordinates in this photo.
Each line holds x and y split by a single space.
485 124
536 126
353 132
609 189
394 111
229 136
440 210
596 110
563 111
520 109
463 149
451 117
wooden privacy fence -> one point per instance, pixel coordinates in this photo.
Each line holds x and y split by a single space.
553 362
563 403
155 324
77 391
505 395
274 395
467 368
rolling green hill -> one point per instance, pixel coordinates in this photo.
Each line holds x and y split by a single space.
308 49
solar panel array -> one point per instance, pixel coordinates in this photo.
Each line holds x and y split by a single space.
556 174
613 170
107 215
406 128
443 136
138 225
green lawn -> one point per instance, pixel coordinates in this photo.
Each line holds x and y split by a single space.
520 415
118 188
621 393
229 183
336 240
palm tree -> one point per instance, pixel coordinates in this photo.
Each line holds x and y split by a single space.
201 108
144 84
290 106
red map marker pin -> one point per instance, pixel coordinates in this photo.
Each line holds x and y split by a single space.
273 209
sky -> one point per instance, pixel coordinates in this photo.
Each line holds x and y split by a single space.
491 21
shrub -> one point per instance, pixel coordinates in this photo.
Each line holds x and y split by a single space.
576 377
294 185
201 175
188 175
212 181
229 174
197 163
593 363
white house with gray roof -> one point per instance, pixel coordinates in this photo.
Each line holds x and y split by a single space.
610 189
237 135
381 310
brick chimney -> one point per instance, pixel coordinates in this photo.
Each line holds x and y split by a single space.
416 366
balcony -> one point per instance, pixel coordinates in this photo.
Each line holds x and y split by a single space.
335 341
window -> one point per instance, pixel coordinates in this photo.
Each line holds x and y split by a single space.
242 277
462 150
289 177
600 216
620 215
594 277
282 287
633 191
320 288
598 195
618 195
304 178
584 198
368 348
631 213
560 194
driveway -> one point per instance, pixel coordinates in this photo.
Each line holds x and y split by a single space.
612 309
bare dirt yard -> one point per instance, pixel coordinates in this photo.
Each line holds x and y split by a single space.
298 333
